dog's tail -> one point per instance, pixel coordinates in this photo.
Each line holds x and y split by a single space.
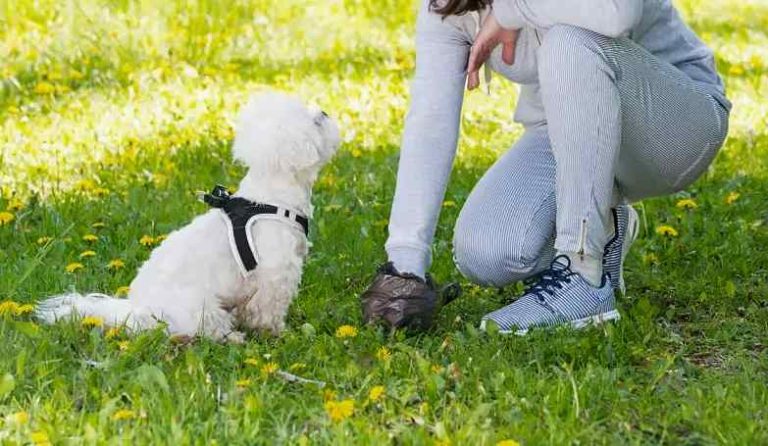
110 311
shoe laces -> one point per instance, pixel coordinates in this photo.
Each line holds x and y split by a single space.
547 282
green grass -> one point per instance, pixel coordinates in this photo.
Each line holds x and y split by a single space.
116 112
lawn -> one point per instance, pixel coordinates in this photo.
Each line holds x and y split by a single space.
113 113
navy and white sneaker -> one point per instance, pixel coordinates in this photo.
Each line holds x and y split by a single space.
625 227
559 297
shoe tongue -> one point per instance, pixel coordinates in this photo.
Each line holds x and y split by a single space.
561 263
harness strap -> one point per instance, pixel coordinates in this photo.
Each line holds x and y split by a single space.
242 214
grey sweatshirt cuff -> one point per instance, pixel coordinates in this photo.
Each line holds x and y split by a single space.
508 14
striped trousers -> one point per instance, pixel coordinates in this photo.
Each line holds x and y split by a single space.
621 125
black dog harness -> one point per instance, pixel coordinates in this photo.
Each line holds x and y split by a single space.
242 214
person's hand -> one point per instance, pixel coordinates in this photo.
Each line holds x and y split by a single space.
490 36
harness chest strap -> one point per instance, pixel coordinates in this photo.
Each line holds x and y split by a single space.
241 214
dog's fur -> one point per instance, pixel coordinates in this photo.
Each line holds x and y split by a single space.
191 281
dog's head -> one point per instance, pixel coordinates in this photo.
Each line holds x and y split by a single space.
277 133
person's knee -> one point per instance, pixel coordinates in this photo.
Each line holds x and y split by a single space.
485 259
566 49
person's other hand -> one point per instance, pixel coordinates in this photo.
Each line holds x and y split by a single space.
490 36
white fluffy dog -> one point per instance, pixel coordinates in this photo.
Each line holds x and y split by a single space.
194 281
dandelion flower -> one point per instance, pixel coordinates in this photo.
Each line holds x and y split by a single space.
650 259
6 217
116 264
736 70
732 197
8 307
356 153
507 443
90 238
160 238
44 88
687 204
339 410
243 383
269 368
73 267
100 192
123 414
18 418
376 393
15 205
346 331
122 291
147 241
112 333
666 230
86 254
25 309
40 438
123 345
44 240
251 361
383 354
92 321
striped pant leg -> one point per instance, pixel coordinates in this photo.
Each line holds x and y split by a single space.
618 117
505 231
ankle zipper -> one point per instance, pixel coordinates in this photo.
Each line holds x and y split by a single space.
582 238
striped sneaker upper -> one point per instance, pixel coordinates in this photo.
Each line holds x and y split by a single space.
625 232
560 296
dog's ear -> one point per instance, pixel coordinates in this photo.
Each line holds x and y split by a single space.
276 132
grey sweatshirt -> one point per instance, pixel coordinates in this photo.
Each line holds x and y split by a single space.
437 91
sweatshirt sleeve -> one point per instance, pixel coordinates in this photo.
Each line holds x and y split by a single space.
612 18
429 140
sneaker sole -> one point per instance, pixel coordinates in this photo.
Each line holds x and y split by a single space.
578 324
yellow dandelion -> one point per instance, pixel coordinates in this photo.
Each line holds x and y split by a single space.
687 204
383 354
112 333
243 383
736 70
376 393
116 264
123 345
297 366
346 331
8 307
44 88
86 254
85 185
732 197
44 240
90 238
251 361
18 418
92 321
356 153
650 259
100 192
269 368
147 241
161 238
74 267
123 414
666 230
15 205
122 291
40 438
507 443
6 217
25 309
329 395
98 225
339 410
